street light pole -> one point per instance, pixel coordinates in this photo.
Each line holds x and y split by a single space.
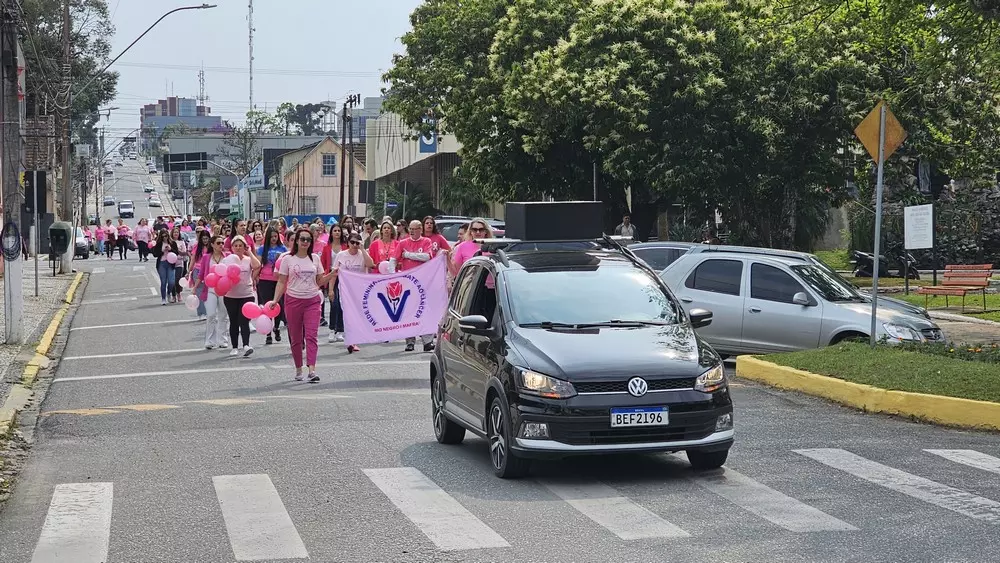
67 195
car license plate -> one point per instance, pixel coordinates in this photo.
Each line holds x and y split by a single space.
639 416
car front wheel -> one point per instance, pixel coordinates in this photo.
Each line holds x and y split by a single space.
446 431
707 460
506 464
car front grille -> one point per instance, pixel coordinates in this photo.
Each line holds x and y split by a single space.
933 334
621 386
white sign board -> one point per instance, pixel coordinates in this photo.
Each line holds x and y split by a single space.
918 226
255 180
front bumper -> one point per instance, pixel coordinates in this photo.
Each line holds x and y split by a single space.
582 425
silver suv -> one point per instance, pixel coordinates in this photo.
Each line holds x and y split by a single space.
763 302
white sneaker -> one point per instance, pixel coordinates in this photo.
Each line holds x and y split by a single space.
234 352
332 338
340 337
248 351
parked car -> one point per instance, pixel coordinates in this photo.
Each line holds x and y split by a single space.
766 303
82 247
571 352
108 201
126 209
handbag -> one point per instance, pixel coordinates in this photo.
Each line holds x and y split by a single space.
131 245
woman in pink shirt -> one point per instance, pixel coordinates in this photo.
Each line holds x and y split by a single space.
478 229
215 305
240 294
438 242
384 247
111 239
143 234
99 235
123 235
300 276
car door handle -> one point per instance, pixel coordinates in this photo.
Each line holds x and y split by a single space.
686 299
754 309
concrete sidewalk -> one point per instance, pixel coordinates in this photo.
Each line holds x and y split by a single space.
38 312
967 330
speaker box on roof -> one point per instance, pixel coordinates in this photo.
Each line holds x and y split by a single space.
554 220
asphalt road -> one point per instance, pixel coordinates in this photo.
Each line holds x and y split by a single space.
150 448
126 184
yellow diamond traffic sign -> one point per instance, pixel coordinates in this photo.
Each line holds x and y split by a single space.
868 132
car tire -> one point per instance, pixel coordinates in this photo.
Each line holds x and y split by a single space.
445 430
506 464
701 460
86 255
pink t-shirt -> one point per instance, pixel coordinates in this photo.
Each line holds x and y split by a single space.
382 252
438 243
301 275
143 233
463 252
244 287
421 245
352 263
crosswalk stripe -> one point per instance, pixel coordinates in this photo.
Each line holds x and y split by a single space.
78 524
932 492
98 271
617 514
258 525
972 458
434 512
771 505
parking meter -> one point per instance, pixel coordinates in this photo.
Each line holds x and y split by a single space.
60 237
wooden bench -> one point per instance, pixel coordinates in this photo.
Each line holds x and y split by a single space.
960 280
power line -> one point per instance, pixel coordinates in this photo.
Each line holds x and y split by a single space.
278 71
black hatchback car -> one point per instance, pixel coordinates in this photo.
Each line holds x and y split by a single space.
554 353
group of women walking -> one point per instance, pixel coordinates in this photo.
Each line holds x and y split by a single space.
296 268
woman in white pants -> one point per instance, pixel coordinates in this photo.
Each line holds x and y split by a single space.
215 308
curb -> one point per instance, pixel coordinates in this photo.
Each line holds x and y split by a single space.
951 411
962 319
21 393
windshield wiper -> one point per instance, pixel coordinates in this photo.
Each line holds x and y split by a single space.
576 326
620 322
550 324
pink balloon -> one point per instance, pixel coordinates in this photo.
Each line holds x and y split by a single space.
223 286
171 258
271 313
220 270
251 310
233 272
191 302
211 279
263 324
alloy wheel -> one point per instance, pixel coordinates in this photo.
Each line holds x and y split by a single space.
498 441
437 404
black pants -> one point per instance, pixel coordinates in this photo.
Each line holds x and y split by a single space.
238 324
143 250
122 248
265 293
336 312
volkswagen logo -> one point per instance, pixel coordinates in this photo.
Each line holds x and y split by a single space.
637 386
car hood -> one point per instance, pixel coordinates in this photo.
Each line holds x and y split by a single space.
897 305
600 353
888 314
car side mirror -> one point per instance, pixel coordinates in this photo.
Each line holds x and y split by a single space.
474 324
801 298
700 318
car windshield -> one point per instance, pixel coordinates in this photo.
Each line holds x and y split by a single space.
602 295
828 283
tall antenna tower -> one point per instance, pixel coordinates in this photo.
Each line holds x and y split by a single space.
202 98
250 26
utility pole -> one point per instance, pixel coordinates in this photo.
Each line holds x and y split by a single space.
352 101
250 27
66 208
10 159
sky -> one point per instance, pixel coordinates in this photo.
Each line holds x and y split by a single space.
304 51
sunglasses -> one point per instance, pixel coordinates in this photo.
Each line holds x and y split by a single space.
305 239
355 242
218 242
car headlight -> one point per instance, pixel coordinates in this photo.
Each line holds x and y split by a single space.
900 332
712 380
535 383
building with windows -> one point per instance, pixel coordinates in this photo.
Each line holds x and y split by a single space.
154 118
310 179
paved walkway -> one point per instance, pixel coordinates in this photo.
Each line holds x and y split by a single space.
38 311
970 333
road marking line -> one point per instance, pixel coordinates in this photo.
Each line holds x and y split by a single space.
152 291
434 512
225 402
128 354
249 367
98 271
615 513
106 301
972 458
138 268
78 524
82 412
258 524
133 324
145 408
953 499
771 505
